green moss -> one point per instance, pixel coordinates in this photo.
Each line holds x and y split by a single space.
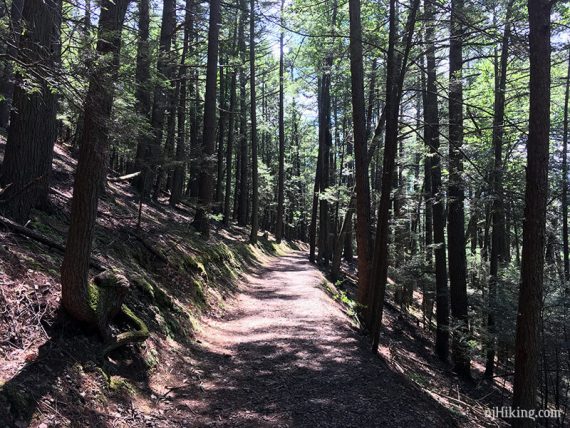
151 358
199 291
117 383
144 285
142 327
196 265
93 296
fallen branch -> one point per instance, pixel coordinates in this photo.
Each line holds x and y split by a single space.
38 237
124 177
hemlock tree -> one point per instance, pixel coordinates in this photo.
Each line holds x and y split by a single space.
206 179
534 228
78 297
456 216
33 129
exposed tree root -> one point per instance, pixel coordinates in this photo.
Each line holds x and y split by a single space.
136 336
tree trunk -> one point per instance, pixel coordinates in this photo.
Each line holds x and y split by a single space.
91 167
281 173
242 184
396 69
221 135
230 146
456 194
7 80
362 182
564 183
165 69
325 142
532 262
143 83
206 179
253 108
33 129
498 247
179 169
431 115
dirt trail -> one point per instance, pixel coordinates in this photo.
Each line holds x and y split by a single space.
284 354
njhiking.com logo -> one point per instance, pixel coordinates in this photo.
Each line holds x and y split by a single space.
510 413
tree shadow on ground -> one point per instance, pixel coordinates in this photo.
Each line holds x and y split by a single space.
307 380
54 380
304 370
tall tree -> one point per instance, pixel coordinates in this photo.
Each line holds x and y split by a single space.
565 178
362 184
206 179
532 261
498 242
221 132
230 142
143 82
91 167
33 129
456 216
431 118
253 109
396 70
242 184
281 173
182 88
165 69
325 144
7 77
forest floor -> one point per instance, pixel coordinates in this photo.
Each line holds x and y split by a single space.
285 354
241 335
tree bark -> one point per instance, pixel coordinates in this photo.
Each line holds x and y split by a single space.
564 183
143 83
91 167
498 243
165 69
431 116
456 194
221 135
230 144
7 81
281 173
179 169
253 108
532 262
362 182
396 70
33 129
206 179
242 187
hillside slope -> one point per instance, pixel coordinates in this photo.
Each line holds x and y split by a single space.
267 349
